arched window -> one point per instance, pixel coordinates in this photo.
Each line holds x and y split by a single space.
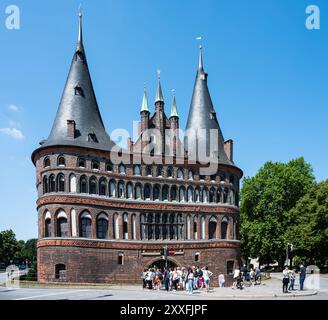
85 225
225 195
62 225
213 177
157 226
45 184
95 165
109 166
224 228
125 226
195 228
188 228
102 226
180 173
72 183
237 199
137 170
190 194
147 192
60 183
165 193
93 185
205 195
149 171
138 191
129 189
212 228
120 189
83 184
133 227
60 271
142 227
116 230
173 193
197 195
61 161
182 194
190 175
112 188
165 226
212 195
219 195
46 162
169 172
172 229
47 224
202 228
156 192
159 171
102 187
150 230
232 179
52 183
122 168
179 231
232 197
81 163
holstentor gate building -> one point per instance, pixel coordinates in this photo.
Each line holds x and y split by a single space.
105 213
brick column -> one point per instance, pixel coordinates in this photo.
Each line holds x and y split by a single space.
207 221
218 226
138 227
93 226
111 225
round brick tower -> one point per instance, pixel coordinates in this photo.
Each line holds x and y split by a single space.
106 213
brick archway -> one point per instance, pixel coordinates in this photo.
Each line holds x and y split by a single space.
171 262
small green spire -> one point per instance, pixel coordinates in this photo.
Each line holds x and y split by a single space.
144 106
174 110
159 93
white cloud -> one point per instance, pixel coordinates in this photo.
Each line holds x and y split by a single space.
12 107
12 133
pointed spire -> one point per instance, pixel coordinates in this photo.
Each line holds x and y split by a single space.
202 116
80 37
174 110
79 104
144 106
159 94
200 59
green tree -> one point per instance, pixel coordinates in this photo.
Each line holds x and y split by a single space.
308 230
266 200
10 248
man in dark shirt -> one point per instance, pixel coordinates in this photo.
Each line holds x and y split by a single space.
302 274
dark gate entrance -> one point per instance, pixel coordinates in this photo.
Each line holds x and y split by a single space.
160 264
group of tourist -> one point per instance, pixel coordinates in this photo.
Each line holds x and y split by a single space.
244 276
189 279
288 279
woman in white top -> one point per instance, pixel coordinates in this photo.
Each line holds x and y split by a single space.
235 278
206 276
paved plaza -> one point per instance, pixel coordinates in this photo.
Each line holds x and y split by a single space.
269 289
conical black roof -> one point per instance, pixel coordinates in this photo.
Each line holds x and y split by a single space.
78 103
201 119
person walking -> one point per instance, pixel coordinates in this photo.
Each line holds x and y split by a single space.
221 280
206 277
285 280
235 278
191 279
292 280
302 274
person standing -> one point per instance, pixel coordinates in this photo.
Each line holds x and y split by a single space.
292 280
191 279
206 277
167 279
221 280
235 278
302 275
285 280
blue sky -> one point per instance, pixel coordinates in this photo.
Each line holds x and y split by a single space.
268 78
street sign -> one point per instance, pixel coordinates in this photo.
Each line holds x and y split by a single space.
171 251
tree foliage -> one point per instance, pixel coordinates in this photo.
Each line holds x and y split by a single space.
308 226
266 200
